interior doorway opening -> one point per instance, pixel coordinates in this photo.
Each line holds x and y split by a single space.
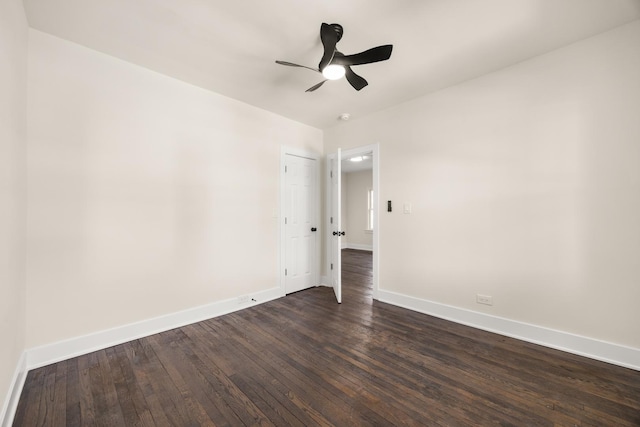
357 218
358 212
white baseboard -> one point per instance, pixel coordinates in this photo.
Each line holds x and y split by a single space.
616 354
15 389
358 247
62 350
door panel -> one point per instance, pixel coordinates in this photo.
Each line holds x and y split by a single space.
299 215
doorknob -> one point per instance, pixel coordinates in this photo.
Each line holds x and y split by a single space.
314 229
338 233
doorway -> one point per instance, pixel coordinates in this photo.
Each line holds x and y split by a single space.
357 219
363 232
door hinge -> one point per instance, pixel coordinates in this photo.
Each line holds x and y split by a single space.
332 266
331 220
285 220
285 271
331 174
285 168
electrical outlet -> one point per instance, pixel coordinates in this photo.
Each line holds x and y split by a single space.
484 299
244 299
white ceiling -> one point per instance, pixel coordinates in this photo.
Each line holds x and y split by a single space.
348 166
230 47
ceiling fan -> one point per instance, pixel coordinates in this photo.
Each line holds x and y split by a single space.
335 64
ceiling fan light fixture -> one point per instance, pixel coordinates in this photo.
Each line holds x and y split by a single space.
333 72
334 64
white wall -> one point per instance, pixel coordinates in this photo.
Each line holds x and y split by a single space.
13 108
358 184
525 186
146 195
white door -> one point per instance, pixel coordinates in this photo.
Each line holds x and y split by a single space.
300 223
335 230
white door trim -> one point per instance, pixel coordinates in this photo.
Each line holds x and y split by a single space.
284 151
351 152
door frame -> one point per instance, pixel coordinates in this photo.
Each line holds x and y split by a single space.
284 152
345 154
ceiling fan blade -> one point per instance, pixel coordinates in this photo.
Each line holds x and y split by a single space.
355 80
291 64
329 39
314 87
375 54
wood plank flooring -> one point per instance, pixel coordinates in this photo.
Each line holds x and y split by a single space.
304 360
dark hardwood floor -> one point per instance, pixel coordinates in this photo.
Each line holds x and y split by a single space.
305 360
